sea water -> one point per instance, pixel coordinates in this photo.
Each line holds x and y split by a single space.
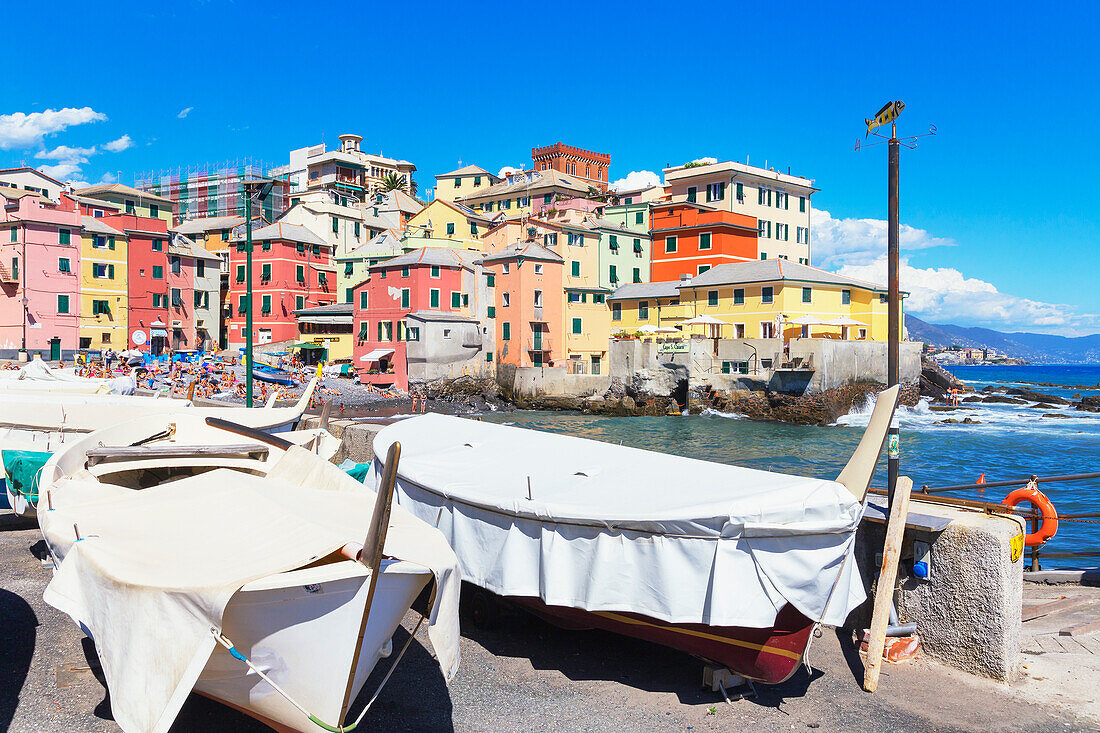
1009 442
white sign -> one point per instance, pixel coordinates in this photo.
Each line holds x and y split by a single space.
139 337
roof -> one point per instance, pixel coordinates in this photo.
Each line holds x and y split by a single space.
281 231
449 317
441 256
544 180
736 170
406 203
32 170
469 170
94 202
335 309
647 290
388 242
96 226
16 193
754 271
188 247
601 223
526 250
198 226
120 189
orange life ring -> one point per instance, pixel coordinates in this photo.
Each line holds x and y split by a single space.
1039 500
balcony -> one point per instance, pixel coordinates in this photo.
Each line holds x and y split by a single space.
7 276
539 343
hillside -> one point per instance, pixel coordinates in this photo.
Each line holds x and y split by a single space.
1035 347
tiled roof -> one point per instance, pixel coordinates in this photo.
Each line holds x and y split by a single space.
526 250
201 226
754 271
441 256
647 290
120 189
469 170
281 231
92 224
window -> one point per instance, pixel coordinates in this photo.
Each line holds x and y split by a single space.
616 311
538 269
364 329
538 299
738 296
862 334
573 297
670 244
433 300
63 236
491 311
456 299
692 190
613 242
550 240
505 298
701 269
101 307
381 273
704 240
99 270
335 225
177 265
548 198
613 274
802 235
405 271
201 299
265 305
300 273
14 234
636 275
161 301
782 232
322 279
240 273
450 228
712 298
807 295
363 299
129 206
763 229
575 268
637 246
225 235
716 191
506 331
763 255
489 356
405 298
63 264
740 193
158 272
300 248
845 297
299 302
764 197
643 310
477 181
265 246
317 249
780 200
154 210
490 280
200 268
576 326
158 246
766 295
412 333
598 297
882 298
639 217
802 204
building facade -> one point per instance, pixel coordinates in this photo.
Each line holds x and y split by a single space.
349 173
127 200
516 194
205 192
447 224
689 239
104 286
590 167
528 311
460 183
780 203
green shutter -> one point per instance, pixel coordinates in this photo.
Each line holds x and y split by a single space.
613 274
356 229
456 300
158 272
240 273
491 280
265 271
265 304
506 331
363 299
348 294
405 298
62 304
63 236
111 272
576 326
434 299
575 268
335 225
491 312
300 273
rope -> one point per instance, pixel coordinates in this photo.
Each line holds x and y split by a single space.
232 649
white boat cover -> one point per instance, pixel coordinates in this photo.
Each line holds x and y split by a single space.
600 527
155 568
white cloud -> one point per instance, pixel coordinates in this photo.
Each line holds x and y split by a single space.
21 130
184 112
63 171
636 180
117 146
506 170
64 152
844 242
705 161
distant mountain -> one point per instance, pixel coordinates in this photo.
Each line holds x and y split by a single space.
1035 347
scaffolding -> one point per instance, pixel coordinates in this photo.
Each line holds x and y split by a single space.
209 190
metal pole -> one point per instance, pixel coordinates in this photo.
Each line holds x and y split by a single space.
248 297
894 307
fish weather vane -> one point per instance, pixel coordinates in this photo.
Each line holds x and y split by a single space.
889 115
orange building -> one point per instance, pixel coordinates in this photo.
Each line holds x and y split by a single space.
690 238
584 164
530 306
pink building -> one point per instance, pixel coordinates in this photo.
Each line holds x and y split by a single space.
39 275
529 304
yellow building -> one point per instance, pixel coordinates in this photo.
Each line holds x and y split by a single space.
104 304
463 182
131 201
324 333
758 300
587 319
446 224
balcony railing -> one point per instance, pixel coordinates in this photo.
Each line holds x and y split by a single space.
538 344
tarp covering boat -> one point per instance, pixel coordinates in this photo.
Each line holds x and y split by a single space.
21 470
153 570
600 527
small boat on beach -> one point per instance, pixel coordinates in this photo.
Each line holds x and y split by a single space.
247 548
273 375
734 565
47 421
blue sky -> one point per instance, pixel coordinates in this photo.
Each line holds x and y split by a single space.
1002 202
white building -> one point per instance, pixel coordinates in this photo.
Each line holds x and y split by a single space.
780 202
349 173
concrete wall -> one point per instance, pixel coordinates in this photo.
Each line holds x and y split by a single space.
550 382
460 352
838 362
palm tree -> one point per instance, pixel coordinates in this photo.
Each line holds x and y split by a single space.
394 182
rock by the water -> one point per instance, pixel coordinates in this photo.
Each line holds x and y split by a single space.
999 399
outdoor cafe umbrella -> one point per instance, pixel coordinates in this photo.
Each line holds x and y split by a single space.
713 324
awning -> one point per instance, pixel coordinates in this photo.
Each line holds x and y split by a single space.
305 345
159 332
376 355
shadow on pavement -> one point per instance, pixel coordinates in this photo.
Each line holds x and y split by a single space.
17 638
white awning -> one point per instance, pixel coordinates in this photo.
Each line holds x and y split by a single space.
376 355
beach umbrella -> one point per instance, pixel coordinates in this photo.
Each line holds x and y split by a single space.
844 321
809 321
704 320
646 329
668 329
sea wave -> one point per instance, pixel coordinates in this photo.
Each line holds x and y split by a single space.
711 412
985 416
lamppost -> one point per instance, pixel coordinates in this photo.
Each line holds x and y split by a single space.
264 188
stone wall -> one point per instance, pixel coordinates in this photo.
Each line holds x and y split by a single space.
518 383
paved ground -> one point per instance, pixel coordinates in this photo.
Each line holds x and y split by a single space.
526 675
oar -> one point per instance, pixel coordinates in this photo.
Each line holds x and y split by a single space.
371 555
884 593
257 435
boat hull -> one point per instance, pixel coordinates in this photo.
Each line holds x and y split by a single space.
768 655
300 628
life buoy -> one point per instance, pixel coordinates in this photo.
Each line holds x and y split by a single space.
1049 526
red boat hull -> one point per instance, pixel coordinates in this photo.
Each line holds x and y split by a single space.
768 655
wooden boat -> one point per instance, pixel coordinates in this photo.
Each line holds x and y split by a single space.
46 422
38 376
733 565
168 522
273 375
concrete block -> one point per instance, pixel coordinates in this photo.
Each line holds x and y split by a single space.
968 611
357 439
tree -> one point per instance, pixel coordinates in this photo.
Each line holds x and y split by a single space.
395 182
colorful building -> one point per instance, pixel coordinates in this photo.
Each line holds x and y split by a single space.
759 299
39 271
460 183
778 202
291 270
206 294
447 224
432 280
325 333
624 253
592 168
349 173
147 285
33 180
690 238
529 310
211 191
129 200
515 195
104 286
354 267
344 227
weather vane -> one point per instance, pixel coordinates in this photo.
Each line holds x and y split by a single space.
889 114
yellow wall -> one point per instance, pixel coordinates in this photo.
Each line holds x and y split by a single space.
670 313
141 205
440 215
446 190
114 291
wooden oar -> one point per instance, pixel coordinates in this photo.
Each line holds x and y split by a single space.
371 555
259 435
884 593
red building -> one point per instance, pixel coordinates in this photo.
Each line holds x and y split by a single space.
147 279
437 279
578 162
291 270
689 239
